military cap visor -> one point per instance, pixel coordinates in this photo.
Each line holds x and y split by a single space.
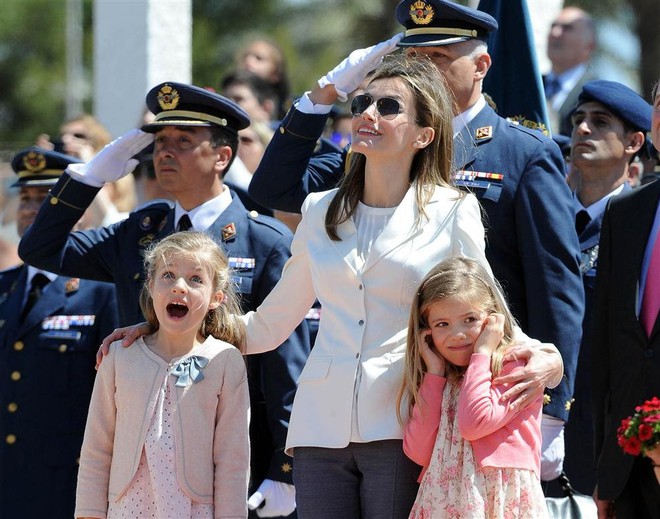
37 167
622 101
433 23
178 104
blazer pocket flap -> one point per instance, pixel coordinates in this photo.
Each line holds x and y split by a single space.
316 368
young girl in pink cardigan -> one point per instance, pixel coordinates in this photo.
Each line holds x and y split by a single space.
167 432
480 457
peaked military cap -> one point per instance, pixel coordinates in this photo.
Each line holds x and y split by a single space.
38 167
178 104
622 101
432 23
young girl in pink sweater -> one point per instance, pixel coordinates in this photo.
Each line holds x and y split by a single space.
480 457
167 433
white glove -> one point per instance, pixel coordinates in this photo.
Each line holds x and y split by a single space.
348 75
552 448
112 162
279 499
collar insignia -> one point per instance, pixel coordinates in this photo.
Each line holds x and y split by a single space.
72 285
485 132
229 231
168 97
421 13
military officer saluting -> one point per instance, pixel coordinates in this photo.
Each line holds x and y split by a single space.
50 328
195 141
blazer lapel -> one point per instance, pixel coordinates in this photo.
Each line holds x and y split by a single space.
346 247
14 299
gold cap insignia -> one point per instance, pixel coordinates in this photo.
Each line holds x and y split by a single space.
421 13
485 132
34 161
546 399
168 97
229 231
72 285
567 405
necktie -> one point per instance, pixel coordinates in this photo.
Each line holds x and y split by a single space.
552 87
184 223
581 221
651 296
39 281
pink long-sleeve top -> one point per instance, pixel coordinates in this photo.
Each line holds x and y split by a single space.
501 436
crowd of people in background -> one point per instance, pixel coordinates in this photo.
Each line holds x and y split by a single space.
374 298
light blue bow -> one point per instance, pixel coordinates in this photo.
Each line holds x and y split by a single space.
189 370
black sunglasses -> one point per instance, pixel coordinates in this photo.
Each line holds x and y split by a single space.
386 107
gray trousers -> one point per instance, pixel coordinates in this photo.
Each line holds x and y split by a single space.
373 480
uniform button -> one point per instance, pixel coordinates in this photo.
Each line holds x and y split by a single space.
361 322
10 439
18 346
12 407
53 201
62 348
15 375
361 286
357 355
648 353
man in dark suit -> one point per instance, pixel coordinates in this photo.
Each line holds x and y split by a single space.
609 127
517 174
195 141
50 328
571 42
626 343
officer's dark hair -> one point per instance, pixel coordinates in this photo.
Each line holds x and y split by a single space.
221 136
262 89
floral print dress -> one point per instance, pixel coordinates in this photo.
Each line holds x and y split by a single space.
455 487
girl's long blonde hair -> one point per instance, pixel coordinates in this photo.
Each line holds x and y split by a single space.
461 279
222 322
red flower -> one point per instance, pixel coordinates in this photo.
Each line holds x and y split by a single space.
645 432
641 431
632 446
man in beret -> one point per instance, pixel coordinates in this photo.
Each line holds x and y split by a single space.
626 341
609 127
195 135
50 328
517 174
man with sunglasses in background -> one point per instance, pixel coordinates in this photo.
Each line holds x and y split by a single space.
517 174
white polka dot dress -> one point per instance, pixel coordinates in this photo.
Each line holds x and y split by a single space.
154 492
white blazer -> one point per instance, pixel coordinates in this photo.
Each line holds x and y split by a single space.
361 341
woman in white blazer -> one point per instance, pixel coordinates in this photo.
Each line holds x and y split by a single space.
361 250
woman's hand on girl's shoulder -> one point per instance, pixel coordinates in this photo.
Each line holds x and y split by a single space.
491 334
435 363
127 334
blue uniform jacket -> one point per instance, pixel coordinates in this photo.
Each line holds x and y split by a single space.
531 242
257 245
46 380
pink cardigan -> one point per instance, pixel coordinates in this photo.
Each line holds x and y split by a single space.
211 440
500 436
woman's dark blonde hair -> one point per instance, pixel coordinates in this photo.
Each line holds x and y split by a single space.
431 165
462 279
222 322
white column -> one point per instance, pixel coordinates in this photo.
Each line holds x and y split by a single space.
137 44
